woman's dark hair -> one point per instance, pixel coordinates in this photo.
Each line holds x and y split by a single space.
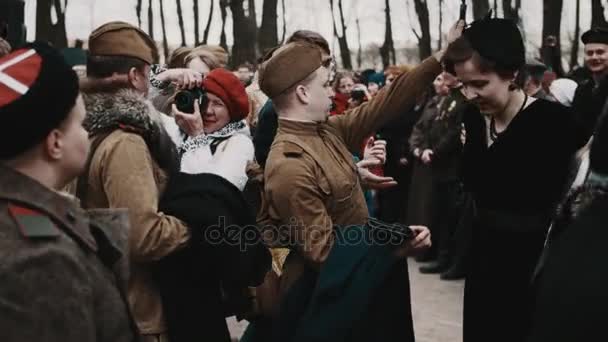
461 51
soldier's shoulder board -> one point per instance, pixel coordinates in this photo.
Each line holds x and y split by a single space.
32 223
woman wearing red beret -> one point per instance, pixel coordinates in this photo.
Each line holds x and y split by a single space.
219 141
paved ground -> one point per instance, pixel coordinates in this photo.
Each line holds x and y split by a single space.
436 306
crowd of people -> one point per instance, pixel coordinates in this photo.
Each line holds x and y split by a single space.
147 201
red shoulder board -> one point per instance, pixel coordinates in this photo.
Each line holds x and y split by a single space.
33 224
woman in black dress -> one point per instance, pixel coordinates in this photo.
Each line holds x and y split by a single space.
516 158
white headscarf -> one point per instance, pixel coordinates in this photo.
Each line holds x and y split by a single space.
563 90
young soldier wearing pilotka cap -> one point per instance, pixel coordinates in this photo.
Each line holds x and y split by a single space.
60 269
131 160
311 182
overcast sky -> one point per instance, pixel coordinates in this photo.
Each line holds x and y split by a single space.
85 15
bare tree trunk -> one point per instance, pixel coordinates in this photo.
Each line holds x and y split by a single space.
387 50
244 29
440 40
197 35
61 37
342 41
359 50
164 27
138 11
510 11
46 31
577 33
424 37
44 26
150 20
180 19
223 10
208 27
268 36
552 17
597 14
12 14
480 8
284 22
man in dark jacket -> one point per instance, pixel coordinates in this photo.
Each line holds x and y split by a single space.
437 143
590 96
62 272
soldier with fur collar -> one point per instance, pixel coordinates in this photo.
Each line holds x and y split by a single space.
130 161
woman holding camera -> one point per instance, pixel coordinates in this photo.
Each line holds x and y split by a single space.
516 157
214 137
206 281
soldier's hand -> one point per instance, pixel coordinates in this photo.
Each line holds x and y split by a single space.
370 180
454 33
420 242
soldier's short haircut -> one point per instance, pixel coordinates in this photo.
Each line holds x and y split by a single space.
106 66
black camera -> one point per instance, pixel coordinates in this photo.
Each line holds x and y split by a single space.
184 99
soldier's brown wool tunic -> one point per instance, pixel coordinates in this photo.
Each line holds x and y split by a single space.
311 181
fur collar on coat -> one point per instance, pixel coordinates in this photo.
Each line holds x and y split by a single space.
112 105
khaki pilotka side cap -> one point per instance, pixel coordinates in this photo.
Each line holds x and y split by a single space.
289 65
118 38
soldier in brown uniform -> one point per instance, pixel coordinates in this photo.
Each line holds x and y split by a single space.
61 269
311 182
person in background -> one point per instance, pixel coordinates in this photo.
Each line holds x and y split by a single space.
419 211
436 138
393 71
218 52
178 56
392 201
515 191
244 72
590 96
563 90
257 99
62 268
375 82
343 86
533 74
